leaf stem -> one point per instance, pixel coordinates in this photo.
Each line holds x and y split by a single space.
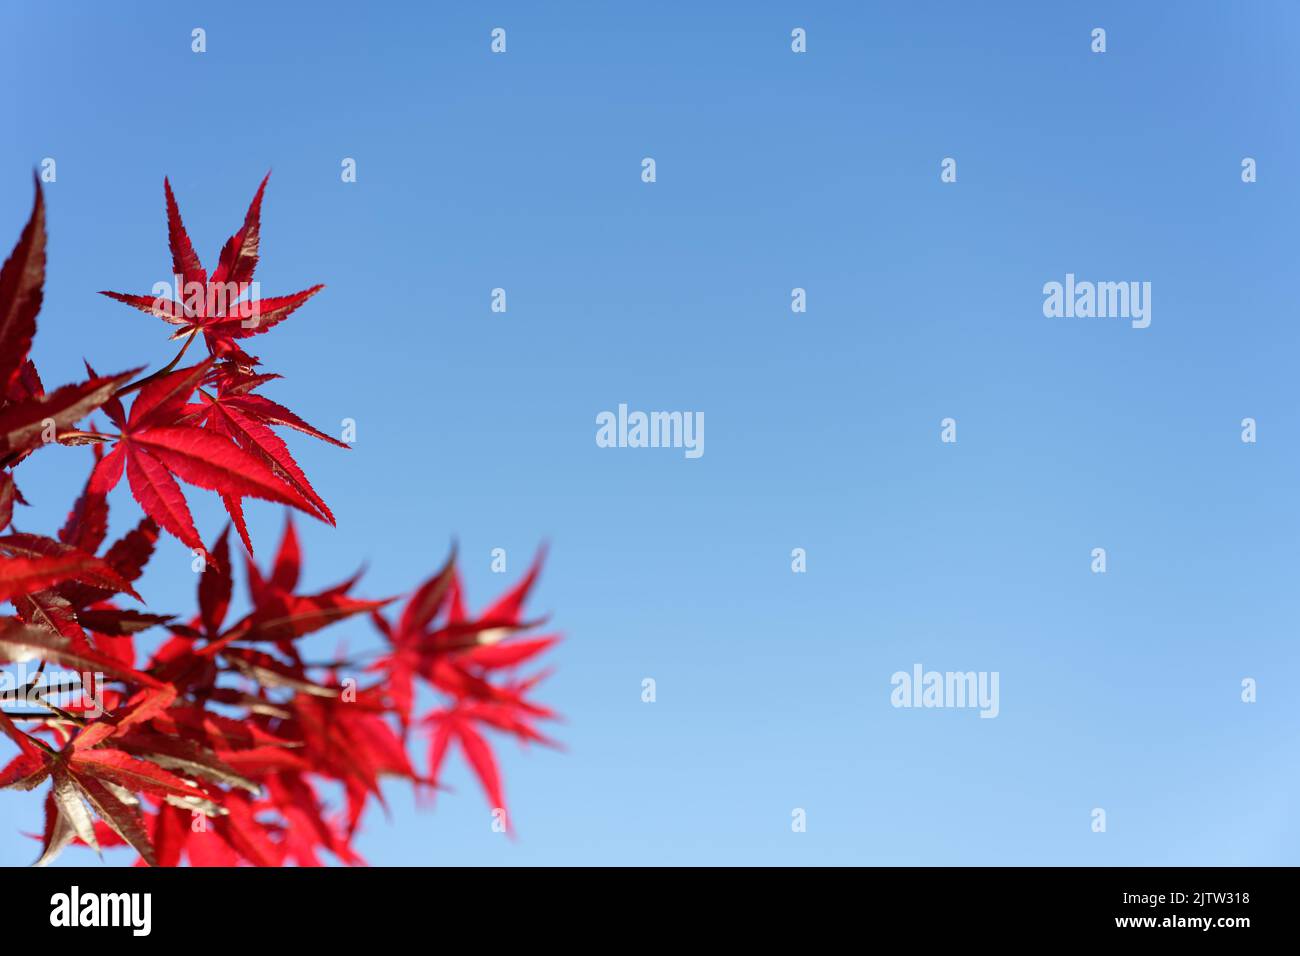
125 389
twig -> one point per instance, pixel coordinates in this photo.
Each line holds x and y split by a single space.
158 374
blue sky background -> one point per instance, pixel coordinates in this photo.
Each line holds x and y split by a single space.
775 170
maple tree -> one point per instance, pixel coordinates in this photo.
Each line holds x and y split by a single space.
223 745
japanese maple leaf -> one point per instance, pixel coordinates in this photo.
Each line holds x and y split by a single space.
455 724
35 562
308 826
87 523
227 840
142 751
29 417
219 305
214 592
154 450
246 419
20 641
74 608
50 584
508 712
88 777
281 615
22 282
234 385
458 656
349 741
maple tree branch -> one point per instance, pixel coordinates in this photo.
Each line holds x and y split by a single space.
51 714
140 383
199 692
356 661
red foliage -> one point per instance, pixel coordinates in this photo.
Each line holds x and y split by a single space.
215 748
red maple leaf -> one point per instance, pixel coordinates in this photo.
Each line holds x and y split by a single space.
220 306
154 447
29 417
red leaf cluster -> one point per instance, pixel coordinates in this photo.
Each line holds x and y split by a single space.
224 743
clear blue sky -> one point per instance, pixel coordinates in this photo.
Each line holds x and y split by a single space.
775 170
